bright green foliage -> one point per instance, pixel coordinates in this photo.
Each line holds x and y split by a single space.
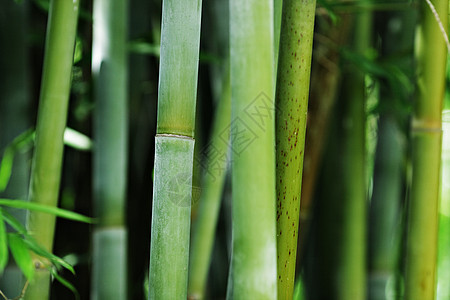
52 115
292 93
421 255
253 262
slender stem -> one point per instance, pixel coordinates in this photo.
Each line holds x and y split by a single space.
420 281
211 195
253 263
51 122
109 68
174 149
292 95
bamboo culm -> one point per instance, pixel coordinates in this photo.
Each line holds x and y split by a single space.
51 122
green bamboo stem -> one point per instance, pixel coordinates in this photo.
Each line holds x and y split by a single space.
341 233
292 93
14 115
389 172
420 281
51 122
210 199
253 262
174 149
109 69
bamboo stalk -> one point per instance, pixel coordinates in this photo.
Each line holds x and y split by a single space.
389 173
174 149
109 68
211 196
420 281
340 237
253 263
51 122
292 93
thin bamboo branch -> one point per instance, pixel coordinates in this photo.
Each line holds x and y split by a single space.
52 115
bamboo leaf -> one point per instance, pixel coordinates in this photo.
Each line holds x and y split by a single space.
33 245
3 244
5 168
21 204
64 282
21 254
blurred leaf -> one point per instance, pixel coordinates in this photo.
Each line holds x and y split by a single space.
334 18
78 53
21 204
21 254
142 47
77 140
6 168
64 282
3 244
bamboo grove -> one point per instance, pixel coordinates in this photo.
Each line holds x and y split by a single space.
224 149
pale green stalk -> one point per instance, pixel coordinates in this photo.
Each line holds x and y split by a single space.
253 263
174 149
210 198
51 122
420 280
292 93
109 69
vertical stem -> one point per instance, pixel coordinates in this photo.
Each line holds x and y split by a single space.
389 172
174 149
210 199
292 93
109 68
253 262
51 122
420 281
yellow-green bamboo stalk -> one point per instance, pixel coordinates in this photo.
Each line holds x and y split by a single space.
420 279
210 199
174 149
292 93
253 263
109 69
51 122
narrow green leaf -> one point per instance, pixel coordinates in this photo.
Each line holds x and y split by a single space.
55 260
3 244
64 282
6 167
21 204
21 254
33 245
